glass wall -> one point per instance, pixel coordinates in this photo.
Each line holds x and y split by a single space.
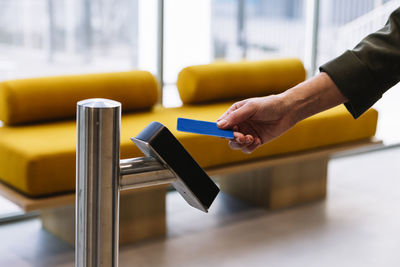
46 37
49 37
258 29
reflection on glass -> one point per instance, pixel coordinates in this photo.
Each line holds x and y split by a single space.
258 29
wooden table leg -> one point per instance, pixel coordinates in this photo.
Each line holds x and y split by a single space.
142 216
279 186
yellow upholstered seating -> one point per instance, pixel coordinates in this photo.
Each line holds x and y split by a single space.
51 98
37 152
226 81
40 159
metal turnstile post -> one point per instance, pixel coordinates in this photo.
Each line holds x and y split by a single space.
97 188
100 175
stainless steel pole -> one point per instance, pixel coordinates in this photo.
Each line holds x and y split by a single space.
97 188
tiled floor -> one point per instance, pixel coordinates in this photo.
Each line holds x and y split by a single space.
358 225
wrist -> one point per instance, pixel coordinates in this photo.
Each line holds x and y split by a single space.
294 104
312 96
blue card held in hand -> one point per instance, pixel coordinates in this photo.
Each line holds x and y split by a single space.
202 127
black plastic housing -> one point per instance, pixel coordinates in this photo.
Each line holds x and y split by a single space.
193 183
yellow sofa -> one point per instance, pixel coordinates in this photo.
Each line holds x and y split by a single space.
38 138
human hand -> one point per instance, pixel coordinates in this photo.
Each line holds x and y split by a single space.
256 121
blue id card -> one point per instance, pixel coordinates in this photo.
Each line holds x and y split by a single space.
202 127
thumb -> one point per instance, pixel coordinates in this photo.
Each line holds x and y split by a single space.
236 117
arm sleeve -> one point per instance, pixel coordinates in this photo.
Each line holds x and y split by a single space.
370 69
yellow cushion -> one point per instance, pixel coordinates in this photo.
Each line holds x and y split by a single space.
223 81
50 98
40 159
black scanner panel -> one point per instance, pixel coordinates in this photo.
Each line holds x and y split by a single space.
193 183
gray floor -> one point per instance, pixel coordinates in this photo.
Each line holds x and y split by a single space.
357 225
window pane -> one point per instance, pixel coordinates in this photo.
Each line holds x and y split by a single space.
258 29
46 37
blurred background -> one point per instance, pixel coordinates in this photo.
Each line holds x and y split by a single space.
57 37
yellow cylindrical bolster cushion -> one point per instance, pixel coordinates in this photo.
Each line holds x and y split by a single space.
225 81
50 98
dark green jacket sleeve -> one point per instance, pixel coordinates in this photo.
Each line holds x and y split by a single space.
370 69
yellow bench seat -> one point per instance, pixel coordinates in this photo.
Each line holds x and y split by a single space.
39 159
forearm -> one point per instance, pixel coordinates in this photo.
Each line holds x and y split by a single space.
312 96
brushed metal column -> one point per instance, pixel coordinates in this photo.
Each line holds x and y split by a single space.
97 188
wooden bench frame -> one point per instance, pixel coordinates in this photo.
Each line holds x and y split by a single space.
273 182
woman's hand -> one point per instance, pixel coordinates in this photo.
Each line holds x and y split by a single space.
256 121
